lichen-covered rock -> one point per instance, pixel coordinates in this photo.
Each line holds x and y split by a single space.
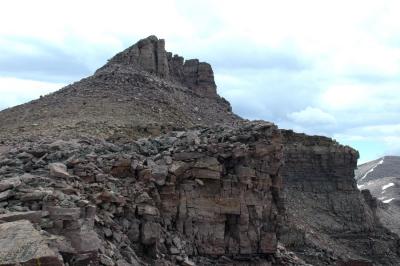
21 244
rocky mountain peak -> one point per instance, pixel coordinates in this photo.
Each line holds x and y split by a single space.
138 90
149 54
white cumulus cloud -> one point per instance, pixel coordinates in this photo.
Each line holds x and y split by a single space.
312 116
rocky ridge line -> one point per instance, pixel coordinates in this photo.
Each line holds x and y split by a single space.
150 55
181 198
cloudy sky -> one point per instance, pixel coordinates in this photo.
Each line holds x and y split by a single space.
320 67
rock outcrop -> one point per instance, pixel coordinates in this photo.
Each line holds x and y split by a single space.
150 55
180 198
328 219
142 91
22 244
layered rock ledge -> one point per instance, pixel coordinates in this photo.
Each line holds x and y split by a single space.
328 219
149 54
184 197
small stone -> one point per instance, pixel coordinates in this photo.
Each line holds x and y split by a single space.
143 198
174 251
122 168
59 213
122 262
32 216
58 170
200 182
177 242
188 262
178 168
117 237
24 156
6 195
9 183
134 231
27 178
105 260
101 178
107 232
147 210
150 233
159 173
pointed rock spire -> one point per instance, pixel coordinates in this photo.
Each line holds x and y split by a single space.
149 54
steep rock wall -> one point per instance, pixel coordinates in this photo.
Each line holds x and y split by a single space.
328 219
150 55
203 195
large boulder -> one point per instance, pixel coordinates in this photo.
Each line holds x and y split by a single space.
22 244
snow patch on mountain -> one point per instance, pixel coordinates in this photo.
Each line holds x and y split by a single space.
372 169
388 200
387 186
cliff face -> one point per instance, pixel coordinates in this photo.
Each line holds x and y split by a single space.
150 55
202 194
327 216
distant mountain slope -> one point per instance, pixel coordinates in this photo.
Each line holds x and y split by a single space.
382 178
388 166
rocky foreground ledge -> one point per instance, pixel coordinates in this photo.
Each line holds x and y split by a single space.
202 196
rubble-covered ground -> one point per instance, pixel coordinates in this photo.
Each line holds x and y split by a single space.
210 197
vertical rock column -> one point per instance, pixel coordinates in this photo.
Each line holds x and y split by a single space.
225 196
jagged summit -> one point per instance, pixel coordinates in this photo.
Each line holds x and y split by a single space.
138 92
149 54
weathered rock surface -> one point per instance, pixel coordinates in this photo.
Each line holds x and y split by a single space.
325 210
205 189
150 55
186 197
22 244
142 91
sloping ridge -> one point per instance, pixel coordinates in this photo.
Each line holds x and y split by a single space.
387 166
215 194
142 89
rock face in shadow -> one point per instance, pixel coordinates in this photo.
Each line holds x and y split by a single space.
327 216
229 195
